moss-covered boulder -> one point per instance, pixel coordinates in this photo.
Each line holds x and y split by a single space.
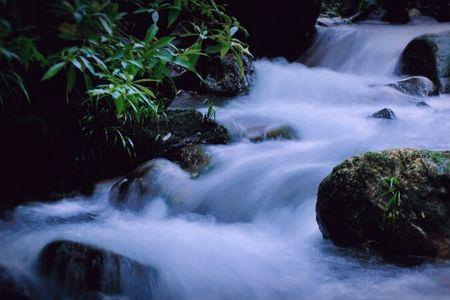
429 56
395 202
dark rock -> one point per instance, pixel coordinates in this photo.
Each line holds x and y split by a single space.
439 9
128 192
385 113
186 127
423 104
396 11
357 204
282 29
77 269
415 86
15 286
262 133
429 56
134 189
193 158
228 76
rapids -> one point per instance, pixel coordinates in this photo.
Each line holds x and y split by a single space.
246 228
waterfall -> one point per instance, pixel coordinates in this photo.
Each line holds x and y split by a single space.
245 228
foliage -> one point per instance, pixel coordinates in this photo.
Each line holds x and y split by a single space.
334 8
394 195
17 50
113 69
211 112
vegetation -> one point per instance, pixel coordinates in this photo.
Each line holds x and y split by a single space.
337 8
394 200
110 70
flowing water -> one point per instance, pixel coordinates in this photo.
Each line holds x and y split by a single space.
246 228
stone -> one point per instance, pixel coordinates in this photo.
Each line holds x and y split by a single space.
385 113
397 201
415 86
429 55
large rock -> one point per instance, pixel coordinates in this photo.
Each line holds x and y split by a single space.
77 269
429 56
415 86
284 28
16 286
396 202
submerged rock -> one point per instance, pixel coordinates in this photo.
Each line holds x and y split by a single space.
429 56
128 192
415 86
262 133
78 269
15 286
385 113
396 201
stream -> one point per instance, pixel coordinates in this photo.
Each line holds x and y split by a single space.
246 227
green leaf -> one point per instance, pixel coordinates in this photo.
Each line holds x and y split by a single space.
77 64
106 26
162 42
88 65
120 105
151 33
173 16
87 82
53 71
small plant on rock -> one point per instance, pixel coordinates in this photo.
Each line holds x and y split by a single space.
391 210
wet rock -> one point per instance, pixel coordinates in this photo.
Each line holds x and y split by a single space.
186 127
285 29
228 76
415 86
193 158
385 113
14 285
331 22
423 104
78 269
429 56
397 201
128 192
262 133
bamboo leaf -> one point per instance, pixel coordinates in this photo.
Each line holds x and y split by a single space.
53 71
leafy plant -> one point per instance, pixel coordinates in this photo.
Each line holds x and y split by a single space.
394 195
211 112
17 50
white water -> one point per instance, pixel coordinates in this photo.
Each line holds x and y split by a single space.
246 229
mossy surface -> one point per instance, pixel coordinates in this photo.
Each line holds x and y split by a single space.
351 208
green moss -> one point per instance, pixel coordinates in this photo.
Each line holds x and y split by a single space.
441 159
